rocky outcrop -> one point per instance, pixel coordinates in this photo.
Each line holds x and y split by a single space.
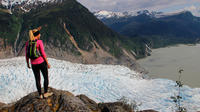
89 103
1 104
115 107
63 101
148 111
118 107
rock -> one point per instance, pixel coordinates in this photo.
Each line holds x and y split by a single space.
115 107
118 107
90 103
1 104
60 101
148 111
63 101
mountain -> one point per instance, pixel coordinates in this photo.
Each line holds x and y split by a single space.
158 29
103 14
108 14
90 42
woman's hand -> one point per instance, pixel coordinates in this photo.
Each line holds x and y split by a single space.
27 62
49 66
28 66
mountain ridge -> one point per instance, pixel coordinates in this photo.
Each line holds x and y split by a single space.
179 28
103 14
99 43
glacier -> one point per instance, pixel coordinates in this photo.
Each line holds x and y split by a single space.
102 83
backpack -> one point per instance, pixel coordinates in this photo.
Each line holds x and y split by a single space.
32 51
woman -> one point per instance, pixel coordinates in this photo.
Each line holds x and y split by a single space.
39 63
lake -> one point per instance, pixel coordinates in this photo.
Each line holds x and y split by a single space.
165 63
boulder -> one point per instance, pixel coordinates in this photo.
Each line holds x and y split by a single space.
63 101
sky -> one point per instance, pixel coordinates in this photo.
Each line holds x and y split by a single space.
136 5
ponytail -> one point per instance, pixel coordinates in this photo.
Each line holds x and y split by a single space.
31 36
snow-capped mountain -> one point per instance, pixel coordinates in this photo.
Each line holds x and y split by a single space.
102 83
9 3
147 25
25 5
108 14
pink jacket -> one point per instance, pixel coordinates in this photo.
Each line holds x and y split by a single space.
40 47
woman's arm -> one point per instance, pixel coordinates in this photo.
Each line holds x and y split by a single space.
27 61
43 53
48 65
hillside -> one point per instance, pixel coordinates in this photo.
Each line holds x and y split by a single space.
69 32
158 30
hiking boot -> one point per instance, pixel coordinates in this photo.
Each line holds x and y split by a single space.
41 97
46 95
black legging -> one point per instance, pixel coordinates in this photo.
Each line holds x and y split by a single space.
36 70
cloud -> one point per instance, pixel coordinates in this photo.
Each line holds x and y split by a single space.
133 5
194 9
191 8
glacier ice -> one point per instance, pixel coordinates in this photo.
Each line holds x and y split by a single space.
102 83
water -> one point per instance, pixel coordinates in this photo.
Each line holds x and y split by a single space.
165 63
